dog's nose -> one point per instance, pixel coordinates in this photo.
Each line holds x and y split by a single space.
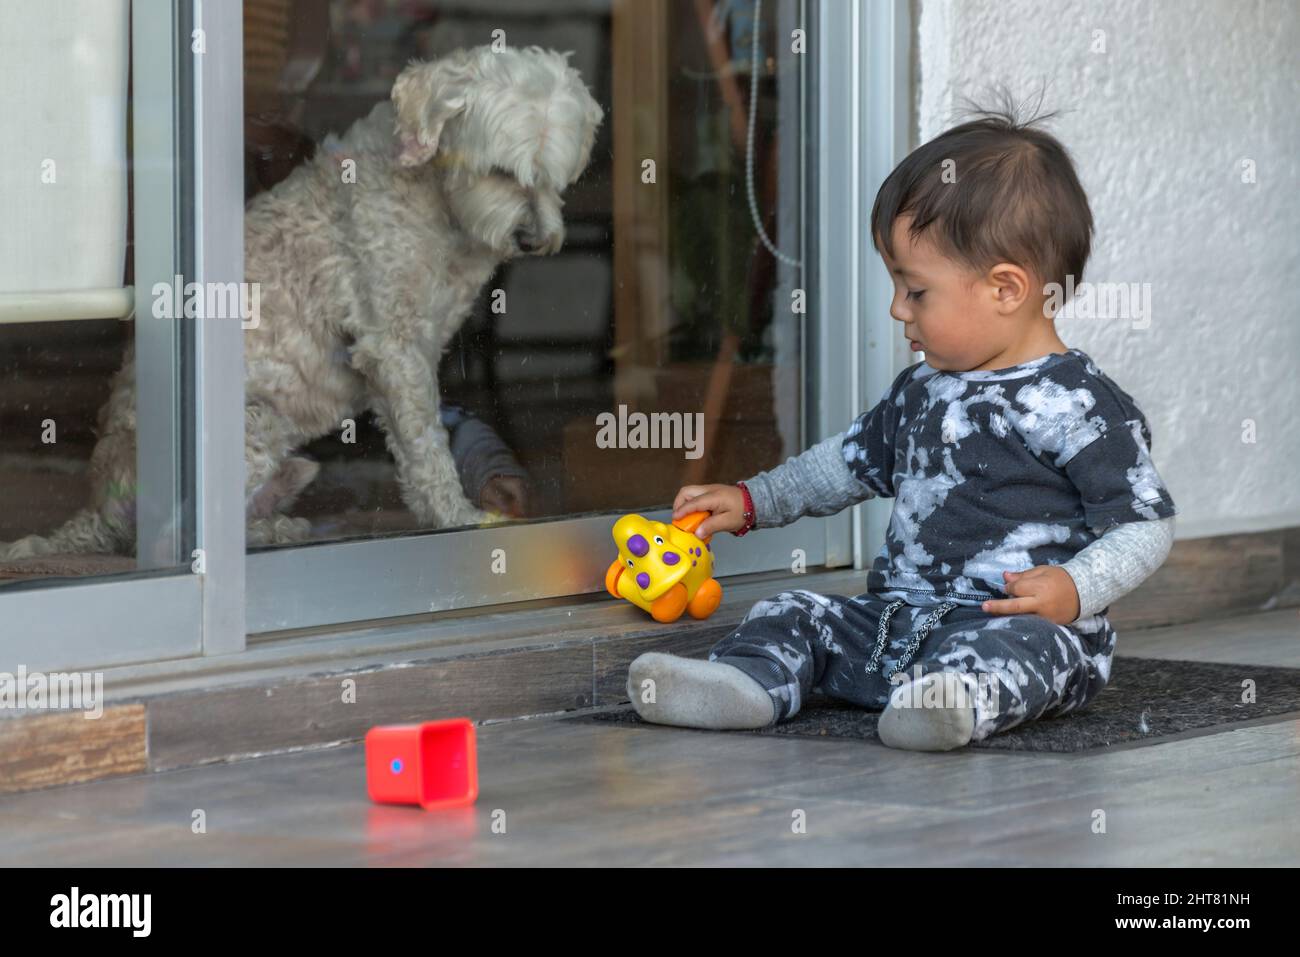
524 240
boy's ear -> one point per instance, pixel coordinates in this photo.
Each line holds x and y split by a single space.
1011 286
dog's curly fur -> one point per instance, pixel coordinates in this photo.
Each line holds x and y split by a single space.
363 283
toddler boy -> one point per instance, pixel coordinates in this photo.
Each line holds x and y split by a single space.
1025 499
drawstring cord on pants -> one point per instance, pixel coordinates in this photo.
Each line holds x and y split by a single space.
918 636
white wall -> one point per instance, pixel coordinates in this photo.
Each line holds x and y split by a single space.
1159 126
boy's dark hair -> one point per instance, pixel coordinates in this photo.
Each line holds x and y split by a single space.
1016 197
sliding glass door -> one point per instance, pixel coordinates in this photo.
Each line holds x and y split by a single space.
661 340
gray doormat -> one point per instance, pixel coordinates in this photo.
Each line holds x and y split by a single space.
1146 698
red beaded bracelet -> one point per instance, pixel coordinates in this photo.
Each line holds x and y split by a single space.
749 511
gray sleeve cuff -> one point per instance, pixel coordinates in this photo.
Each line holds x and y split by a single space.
480 454
1119 561
818 482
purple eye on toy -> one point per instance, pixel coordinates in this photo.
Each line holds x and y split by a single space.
638 546
671 558
643 580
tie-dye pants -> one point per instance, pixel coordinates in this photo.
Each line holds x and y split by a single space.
1017 667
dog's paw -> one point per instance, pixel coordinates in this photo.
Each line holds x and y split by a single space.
277 530
475 516
452 515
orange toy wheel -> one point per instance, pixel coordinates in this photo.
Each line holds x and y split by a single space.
611 578
706 600
668 607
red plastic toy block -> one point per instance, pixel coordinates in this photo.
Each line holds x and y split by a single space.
434 764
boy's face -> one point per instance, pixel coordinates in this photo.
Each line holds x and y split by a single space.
958 318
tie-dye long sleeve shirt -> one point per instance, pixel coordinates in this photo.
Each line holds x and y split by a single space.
991 471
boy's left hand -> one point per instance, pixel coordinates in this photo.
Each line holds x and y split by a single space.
1046 590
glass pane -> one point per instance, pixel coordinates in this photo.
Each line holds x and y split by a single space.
493 289
90 186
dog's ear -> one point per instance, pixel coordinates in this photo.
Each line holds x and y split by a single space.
425 96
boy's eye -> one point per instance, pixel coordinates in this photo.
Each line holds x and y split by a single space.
917 294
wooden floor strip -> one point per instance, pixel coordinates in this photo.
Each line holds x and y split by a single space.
44 750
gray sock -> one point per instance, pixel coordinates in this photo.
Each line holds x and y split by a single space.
691 693
913 720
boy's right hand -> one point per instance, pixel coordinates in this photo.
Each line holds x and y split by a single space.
725 502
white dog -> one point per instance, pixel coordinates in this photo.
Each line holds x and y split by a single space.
362 283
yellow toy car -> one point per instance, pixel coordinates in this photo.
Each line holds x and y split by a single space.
664 569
